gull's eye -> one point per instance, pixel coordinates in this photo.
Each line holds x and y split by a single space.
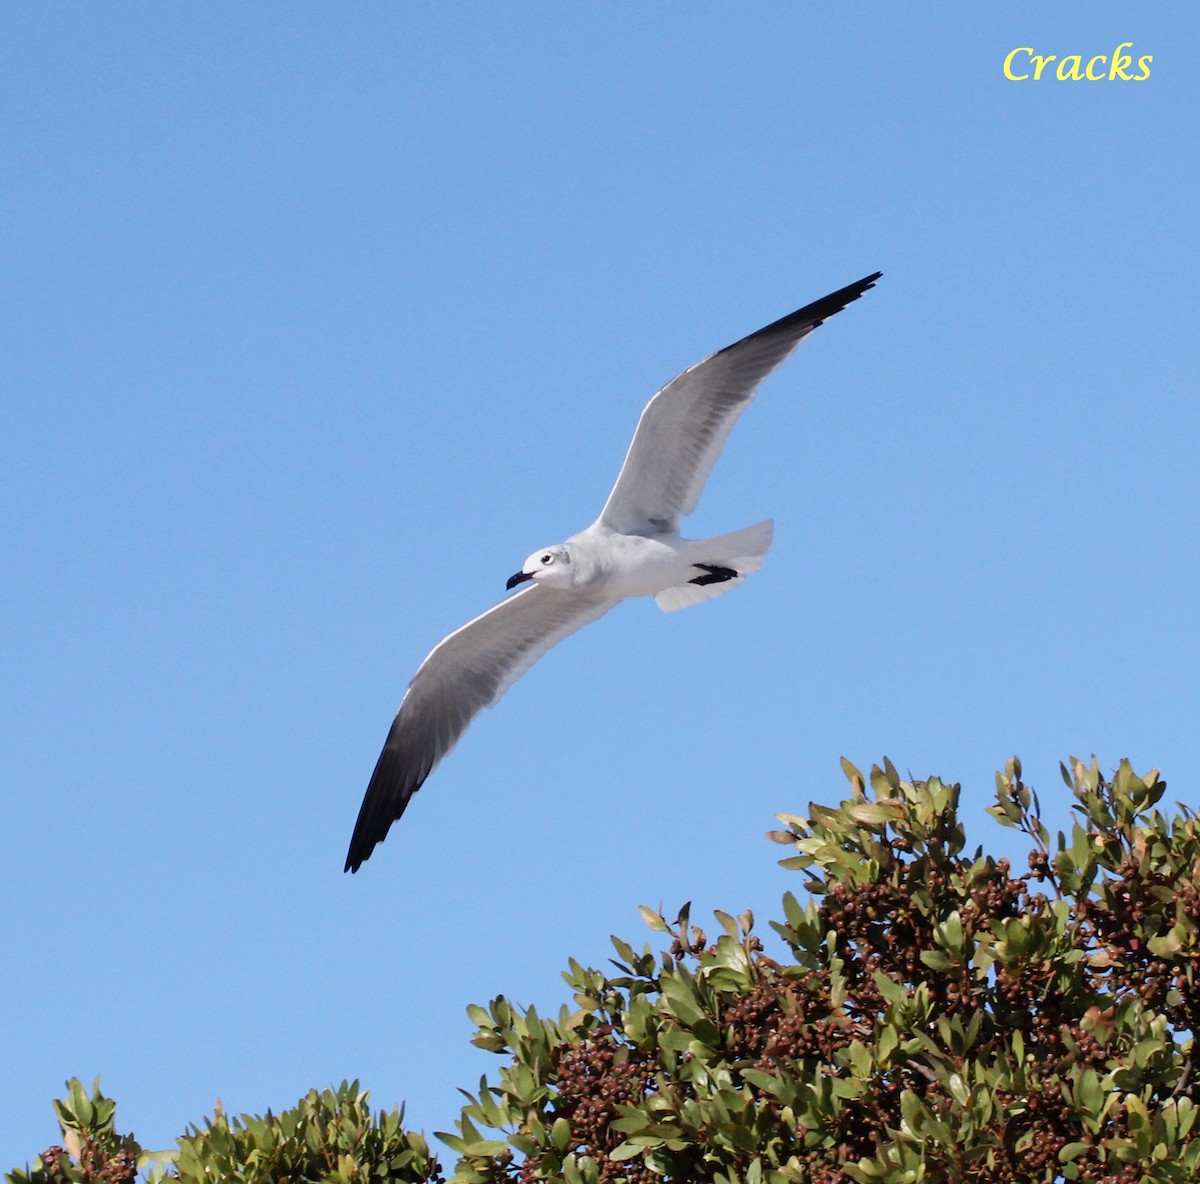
547 559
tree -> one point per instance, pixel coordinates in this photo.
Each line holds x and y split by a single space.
331 1136
937 1017
928 1016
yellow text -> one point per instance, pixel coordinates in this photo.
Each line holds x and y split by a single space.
1022 63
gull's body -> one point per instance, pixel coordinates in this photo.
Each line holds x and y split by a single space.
615 565
633 549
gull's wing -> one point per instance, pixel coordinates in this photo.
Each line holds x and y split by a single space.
684 427
465 672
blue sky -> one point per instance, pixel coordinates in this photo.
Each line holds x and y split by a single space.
318 319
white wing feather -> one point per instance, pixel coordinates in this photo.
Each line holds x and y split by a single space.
684 427
464 673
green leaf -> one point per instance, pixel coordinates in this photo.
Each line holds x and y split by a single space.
624 1151
652 920
560 1134
888 1042
874 814
796 863
767 1082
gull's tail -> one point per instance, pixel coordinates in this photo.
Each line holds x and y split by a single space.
720 564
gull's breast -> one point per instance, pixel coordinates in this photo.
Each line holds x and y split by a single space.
637 565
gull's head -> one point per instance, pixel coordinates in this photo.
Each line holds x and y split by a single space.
550 566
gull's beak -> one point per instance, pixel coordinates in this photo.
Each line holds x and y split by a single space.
519 578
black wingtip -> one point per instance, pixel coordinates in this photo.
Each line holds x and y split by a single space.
359 852
369 831
820 310
373 821
393 783
798 324
362 844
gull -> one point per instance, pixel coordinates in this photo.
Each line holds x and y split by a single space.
632 549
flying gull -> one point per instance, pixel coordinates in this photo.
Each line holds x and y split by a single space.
632 549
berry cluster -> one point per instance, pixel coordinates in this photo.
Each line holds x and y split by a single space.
95 1166
594 1079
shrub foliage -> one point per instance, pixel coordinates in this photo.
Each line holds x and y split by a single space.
331 1137
937 1016
925 1015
